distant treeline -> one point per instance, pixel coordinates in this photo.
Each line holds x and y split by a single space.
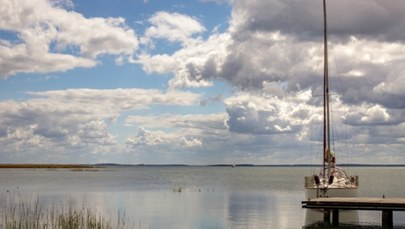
46 166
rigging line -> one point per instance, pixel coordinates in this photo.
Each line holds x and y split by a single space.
316 74
320 46
315 138
338 72
312 139
332 126
340 93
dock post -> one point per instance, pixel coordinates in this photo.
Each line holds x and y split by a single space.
326 216
387 221
335 217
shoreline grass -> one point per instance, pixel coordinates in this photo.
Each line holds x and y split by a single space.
18 214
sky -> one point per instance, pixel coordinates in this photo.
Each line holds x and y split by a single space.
200 81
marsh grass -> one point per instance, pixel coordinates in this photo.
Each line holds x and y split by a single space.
31 215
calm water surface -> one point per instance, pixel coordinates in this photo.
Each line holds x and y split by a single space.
193 197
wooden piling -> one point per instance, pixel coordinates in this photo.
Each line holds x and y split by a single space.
335 217
326 217
387 219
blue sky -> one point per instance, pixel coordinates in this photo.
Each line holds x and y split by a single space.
199 82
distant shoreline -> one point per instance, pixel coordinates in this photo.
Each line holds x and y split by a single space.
47 166
246 165
103 165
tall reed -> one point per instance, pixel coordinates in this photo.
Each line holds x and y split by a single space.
18 214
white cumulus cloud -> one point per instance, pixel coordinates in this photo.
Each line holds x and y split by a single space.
54 39
76 120
174 27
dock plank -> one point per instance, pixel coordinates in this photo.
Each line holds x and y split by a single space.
359 203
359 200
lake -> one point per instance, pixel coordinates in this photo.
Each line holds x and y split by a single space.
192 196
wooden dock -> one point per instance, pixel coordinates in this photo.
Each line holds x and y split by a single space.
334 204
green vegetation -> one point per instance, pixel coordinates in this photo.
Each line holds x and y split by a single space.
25 215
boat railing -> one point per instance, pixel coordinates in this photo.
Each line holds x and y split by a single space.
353 182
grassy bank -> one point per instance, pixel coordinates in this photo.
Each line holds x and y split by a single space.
31 215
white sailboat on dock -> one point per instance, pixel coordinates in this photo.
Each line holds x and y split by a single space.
331 180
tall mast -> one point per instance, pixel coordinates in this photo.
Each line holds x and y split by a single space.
326 116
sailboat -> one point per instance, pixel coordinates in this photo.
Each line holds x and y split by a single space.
331 181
